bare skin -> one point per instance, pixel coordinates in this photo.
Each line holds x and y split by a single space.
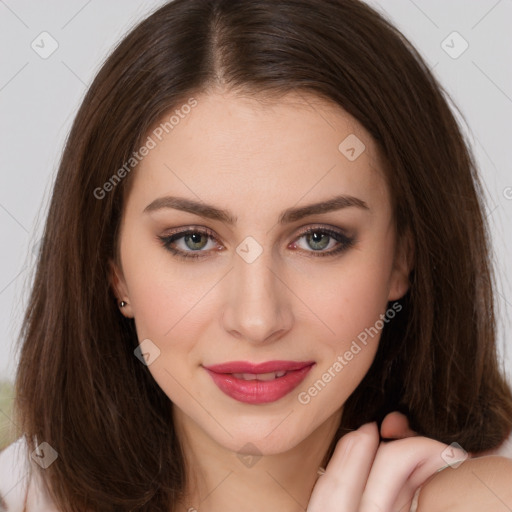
481 482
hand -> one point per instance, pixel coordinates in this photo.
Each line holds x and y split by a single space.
366 474
396 426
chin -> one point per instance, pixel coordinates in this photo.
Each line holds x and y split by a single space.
262 436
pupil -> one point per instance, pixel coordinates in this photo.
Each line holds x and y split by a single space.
195 238
316 239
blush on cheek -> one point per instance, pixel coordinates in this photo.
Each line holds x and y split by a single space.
353 315
159 304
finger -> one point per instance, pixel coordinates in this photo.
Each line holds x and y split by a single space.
342 484
396 426
438 461
399 468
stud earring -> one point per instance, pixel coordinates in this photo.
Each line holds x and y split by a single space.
122 304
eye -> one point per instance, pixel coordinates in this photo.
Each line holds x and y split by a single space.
320 238
193 241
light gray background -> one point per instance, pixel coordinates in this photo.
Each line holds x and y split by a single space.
39 97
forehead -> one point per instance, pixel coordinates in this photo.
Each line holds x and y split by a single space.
235 148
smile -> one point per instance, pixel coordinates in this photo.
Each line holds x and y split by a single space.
260 376
259 383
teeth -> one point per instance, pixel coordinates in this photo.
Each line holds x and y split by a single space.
259 376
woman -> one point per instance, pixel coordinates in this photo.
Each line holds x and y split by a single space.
266 235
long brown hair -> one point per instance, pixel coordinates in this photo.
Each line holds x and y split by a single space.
79 386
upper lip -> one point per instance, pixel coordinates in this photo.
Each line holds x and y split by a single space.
258 368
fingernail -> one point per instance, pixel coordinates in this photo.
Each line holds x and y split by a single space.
368 427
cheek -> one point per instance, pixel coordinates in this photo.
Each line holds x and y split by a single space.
167 296
351 304
348 298
162 308
352 308
171 313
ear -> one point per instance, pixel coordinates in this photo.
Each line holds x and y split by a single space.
118 284
402 267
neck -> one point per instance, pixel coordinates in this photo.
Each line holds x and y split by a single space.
220 479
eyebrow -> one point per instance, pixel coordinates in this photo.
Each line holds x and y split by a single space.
287 216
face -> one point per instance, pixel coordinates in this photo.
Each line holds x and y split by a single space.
247 269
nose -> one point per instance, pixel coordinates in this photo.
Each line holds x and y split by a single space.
258 308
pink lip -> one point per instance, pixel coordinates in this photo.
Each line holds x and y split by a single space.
266 367
256 391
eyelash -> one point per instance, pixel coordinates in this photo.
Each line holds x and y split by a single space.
346 242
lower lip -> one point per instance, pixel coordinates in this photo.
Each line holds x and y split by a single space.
259 391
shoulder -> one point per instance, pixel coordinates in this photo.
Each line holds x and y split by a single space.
482 483
14 476
479 483
21 488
